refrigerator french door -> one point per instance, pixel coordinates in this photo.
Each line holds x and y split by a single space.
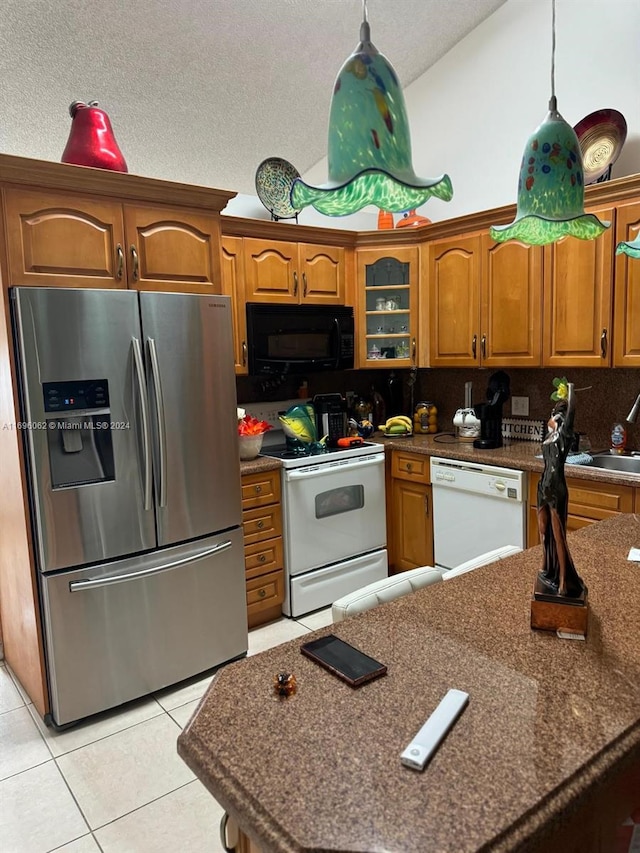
130 412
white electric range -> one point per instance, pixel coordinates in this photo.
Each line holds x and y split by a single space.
334 521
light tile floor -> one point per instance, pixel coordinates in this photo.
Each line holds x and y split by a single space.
116 784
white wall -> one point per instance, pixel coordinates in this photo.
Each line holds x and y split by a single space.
473 111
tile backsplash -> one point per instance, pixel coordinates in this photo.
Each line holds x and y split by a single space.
603 397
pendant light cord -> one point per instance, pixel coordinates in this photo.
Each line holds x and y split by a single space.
553 103
365 16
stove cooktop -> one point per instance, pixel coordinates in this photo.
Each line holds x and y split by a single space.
293 459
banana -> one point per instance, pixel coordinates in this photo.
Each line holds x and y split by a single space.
400 420
398 429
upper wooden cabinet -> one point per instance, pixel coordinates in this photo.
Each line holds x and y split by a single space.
63 239
75 241
626 330
294 273
233 286
387 307
485 302
171 249
578 293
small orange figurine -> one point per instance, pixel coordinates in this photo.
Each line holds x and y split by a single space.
412 218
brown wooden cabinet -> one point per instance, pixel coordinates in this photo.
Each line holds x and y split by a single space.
588 502
170 249
485 302
263 547
294 273
68 240
626 329
62 239
411 511
233 286
578 295
387 319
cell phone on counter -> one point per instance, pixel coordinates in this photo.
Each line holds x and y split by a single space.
343 660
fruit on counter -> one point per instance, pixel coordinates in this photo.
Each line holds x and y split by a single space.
425 418
397 425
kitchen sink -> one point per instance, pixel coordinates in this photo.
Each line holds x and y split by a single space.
611 462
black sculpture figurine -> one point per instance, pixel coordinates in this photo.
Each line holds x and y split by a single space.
558 577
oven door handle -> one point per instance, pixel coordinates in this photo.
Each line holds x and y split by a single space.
330 468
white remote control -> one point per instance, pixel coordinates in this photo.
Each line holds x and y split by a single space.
431 735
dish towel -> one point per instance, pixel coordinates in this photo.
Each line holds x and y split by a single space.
579 459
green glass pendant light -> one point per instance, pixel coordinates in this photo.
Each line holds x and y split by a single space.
369 147
551 183
631 248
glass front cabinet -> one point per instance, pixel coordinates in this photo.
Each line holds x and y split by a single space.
387 282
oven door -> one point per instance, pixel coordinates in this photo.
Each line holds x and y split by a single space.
333 510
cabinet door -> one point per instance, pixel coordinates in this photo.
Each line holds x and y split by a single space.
511 304
271 271
412 525
322 273
454 302
387 298
172 250
626 311
233 286
64 240
578 295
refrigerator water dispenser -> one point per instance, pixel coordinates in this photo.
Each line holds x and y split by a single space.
79 440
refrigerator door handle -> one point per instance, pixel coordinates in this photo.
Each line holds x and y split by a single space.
162 439
146 443
96 583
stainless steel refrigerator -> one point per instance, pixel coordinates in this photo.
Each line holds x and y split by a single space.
129 408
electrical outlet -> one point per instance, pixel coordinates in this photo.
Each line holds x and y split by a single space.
520 406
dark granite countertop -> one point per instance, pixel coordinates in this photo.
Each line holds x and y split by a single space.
550 723
513 454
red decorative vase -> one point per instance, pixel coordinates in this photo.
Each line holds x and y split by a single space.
91 141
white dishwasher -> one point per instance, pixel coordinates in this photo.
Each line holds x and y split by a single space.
476 508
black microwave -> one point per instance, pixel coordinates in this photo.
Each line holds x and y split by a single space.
299 338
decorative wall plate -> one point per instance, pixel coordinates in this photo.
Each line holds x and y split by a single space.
274 179
601 136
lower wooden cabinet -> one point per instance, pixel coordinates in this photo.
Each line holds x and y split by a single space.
588 502
411 519
263 548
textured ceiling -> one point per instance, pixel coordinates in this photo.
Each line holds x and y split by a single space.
203 90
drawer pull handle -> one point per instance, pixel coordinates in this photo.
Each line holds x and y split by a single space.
408 467
260 524
258 489
262 593
262 558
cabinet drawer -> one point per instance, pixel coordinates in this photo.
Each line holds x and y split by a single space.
588 502
265 592
263 557
262 523
260 489
410 466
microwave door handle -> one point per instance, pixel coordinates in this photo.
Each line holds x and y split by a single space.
337 327
144 417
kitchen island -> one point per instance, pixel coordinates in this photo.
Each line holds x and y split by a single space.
546 757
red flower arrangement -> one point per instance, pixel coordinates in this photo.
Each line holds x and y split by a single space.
248 425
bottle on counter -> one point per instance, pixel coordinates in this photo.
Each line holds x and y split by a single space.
618 438
425 418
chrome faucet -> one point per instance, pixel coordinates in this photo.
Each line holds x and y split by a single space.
633 414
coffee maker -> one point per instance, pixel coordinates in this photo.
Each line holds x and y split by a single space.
490 413
331 416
